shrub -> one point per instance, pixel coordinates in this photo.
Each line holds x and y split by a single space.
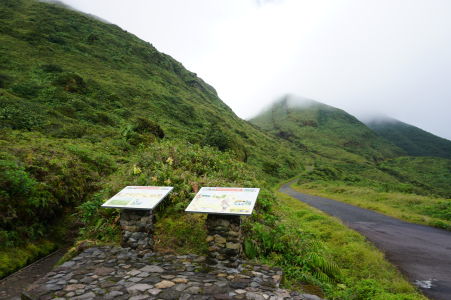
26 89
52 68
18 115
4 80
143 125
71 82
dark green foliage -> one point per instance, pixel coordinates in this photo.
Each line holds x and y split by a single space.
142 132
70 82
4 80
431 174
143 126
413 140
223 140
51 68
22 200
40 182
26 89
17 114
295 251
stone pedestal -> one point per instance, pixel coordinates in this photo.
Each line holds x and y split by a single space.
224 239
137 229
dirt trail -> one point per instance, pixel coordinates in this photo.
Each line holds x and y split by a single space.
422 253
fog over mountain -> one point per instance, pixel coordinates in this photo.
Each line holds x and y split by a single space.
387 57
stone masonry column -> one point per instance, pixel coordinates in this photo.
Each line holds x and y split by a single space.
224 239
137 229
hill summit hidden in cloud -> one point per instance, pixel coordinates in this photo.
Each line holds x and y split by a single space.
322 127
413 140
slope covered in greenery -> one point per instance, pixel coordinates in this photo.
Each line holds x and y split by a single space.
80 97
348 152
325 130
86 108
413 140
68 75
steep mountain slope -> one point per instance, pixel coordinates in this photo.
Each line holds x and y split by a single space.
324 129
346 151
68 75
413 140
81 102
430 173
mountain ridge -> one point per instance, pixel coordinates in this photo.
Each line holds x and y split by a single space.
414 140
309 120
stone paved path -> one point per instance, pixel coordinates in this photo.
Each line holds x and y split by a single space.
122 273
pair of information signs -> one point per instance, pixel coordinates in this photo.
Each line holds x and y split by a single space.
217 200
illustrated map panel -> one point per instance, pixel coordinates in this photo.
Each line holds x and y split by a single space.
224 200
138 197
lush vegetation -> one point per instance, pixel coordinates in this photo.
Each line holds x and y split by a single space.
413 140
86 108
324 130
186 167
79 98
346 152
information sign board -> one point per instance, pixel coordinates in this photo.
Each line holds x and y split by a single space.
224 200
138 197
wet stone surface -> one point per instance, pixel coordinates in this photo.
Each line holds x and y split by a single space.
124 273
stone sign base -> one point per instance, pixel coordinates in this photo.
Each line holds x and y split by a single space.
224 239
137 229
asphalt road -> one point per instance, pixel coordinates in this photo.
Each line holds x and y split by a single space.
422 253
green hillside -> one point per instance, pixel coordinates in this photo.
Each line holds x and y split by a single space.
325 130
347 151
68 75
87 108
413 140
81 102
431 173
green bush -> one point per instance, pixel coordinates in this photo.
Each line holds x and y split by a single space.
52 68
26 89
22 201
143 125
70 82
300 257
4 80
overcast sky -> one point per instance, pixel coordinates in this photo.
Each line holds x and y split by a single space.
367 57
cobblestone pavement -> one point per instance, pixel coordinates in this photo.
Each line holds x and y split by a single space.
122 273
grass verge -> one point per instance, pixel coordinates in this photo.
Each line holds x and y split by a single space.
413 208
